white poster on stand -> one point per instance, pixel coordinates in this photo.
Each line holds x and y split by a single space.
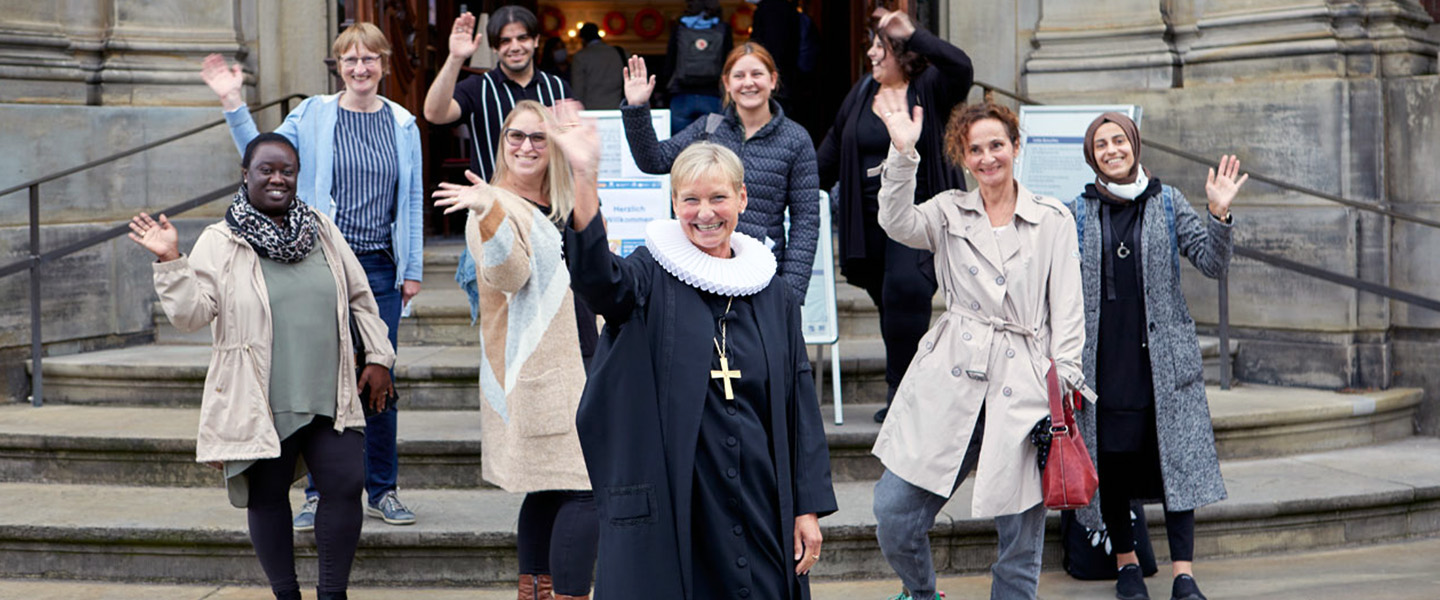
1052 158
629 198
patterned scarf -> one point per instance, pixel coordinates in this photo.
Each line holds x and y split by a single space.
290 243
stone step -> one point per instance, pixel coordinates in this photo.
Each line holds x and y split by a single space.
467 537
439 316
441 449
428 377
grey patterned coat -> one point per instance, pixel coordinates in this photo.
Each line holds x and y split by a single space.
1188 462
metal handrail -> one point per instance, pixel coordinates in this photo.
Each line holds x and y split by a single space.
35 262
138 149
1223 299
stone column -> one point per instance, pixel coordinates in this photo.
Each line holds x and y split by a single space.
1081 47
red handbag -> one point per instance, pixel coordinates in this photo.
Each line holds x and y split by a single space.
1069 480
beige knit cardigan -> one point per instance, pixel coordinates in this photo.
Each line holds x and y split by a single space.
531 372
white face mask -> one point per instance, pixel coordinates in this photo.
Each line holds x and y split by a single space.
1130 191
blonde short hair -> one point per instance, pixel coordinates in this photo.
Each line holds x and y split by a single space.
363 34
704 158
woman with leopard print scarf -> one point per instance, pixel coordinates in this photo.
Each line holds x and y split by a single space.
281 383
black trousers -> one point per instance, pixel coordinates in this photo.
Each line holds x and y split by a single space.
337 462
1116 492
558 535
902 293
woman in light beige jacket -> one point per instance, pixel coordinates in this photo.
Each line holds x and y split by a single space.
531 370
280 394
1007 263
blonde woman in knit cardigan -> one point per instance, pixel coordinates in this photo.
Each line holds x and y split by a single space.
531 370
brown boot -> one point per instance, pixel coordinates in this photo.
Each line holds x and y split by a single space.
536 587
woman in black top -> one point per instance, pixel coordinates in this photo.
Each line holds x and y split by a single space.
900 280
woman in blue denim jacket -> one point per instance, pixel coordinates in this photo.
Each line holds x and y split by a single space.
363 170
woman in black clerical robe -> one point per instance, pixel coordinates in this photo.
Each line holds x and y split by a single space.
699 423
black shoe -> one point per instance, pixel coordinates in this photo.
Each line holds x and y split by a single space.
1185 588
880 414
290 595
1130 584
330 595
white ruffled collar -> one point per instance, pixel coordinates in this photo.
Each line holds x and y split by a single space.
744 274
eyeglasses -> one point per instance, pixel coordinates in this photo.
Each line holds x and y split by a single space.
516 138
351 61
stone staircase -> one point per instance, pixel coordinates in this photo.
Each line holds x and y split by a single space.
101 482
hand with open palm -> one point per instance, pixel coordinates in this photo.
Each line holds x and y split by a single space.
1222 188
160 238
477 197
464 39
638 83
904 125
226 80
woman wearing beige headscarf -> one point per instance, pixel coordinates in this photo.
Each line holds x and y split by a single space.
1150 433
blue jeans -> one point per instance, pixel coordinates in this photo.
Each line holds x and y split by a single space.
686 108
382 459
904 515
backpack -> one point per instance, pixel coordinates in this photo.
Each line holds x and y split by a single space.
1077 209
1087 554
697 57
808 58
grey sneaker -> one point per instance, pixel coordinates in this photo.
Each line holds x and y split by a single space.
305 521
391 510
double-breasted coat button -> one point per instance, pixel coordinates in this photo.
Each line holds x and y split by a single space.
731 472
731 441
741 562
974 306
966 336
1000 280
974 270
1005 391
1010 353
929 345
955 372
729 410
738 530
744 592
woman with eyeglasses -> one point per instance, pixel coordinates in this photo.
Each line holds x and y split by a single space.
362 170
531 369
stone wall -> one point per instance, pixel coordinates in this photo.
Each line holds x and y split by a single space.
83 79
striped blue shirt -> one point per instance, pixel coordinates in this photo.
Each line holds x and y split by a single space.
367 173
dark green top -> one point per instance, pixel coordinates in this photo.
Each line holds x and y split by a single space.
304 353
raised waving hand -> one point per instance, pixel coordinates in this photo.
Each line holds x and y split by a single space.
1221 188
160 238
904 125
638 83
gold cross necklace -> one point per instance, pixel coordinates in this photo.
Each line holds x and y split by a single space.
725 373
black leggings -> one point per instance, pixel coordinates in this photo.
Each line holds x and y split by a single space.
557 536
337 462
1115 510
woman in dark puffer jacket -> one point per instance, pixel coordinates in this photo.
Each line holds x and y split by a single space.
778 155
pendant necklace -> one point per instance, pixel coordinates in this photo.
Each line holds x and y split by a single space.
725 373
1121 250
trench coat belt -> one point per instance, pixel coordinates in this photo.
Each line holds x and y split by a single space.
980 360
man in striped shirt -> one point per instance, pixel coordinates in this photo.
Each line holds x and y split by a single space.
482 101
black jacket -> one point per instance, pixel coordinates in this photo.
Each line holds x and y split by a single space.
639 417
938 89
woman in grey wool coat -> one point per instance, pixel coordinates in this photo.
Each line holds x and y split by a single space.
1150 432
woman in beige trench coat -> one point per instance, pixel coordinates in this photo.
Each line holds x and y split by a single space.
1008 264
